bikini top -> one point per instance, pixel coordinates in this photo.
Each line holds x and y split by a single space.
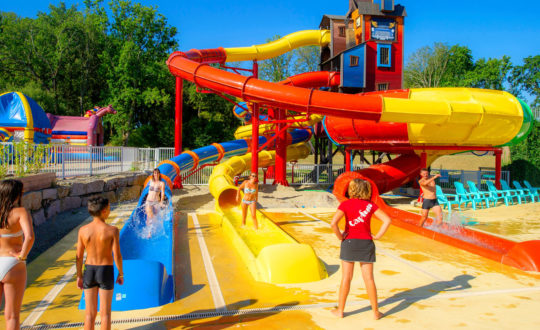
17 234
154 188
249 190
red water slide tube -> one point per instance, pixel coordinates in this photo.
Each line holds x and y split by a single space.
395 173
193 66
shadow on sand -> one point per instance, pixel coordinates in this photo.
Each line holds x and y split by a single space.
409 297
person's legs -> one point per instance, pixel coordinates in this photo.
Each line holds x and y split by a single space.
424 215
438 214
244 213
90 298
253 209
149 212
14 284
105 308
369 281
346 277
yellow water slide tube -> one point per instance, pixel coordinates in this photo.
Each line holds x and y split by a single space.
278 47
243 132
270 254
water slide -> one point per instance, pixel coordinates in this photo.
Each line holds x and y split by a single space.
495 123
151 259
405 121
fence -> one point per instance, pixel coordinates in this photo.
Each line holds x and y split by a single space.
69 161
297 174
448 177
65 160
536 112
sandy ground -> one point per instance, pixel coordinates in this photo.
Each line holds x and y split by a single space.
199 197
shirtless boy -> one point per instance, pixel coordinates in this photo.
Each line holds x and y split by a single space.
100 241
427 184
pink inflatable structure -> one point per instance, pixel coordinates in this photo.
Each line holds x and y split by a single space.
81 131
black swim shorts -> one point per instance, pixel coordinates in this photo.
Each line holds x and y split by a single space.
357 250
100 276
429 203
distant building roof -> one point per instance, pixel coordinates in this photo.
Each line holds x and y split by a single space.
325 22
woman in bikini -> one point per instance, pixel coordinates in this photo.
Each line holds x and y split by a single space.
16 240
251 190
156 194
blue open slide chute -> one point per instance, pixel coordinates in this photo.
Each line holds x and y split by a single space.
148 262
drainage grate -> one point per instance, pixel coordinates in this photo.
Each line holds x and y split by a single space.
189 316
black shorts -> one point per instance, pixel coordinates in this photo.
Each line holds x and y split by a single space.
357 250
429 203
101 276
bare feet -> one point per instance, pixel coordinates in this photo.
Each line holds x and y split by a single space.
337 313
377 315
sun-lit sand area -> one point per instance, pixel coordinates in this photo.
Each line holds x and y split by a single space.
421 283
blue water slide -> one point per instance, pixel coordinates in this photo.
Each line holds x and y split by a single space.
148 262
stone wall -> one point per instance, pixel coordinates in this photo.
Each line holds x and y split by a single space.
70 194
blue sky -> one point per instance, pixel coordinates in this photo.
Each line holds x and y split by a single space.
490 28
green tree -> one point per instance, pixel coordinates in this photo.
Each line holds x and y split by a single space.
526 158
277 68
139 84
306 59
526 78
427 66
51 58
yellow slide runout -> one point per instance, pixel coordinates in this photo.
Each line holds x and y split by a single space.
279 47
245 131
270 254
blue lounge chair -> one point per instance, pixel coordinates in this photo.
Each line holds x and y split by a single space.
534 190
500 194
447 200
481 194
512 192
465 197
525 191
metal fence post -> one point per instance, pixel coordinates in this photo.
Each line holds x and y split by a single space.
91 159
121 159
63 163
318 172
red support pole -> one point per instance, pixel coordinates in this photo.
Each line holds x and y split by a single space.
178 117
498 156
281 150
255 139
348 165
423 160
255 129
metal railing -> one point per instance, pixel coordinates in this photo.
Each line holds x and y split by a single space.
448 177
149 158
297 174
69 161
65 160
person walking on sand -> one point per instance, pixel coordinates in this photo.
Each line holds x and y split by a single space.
357 242
156 195
16 240
102 245
427 184
251 191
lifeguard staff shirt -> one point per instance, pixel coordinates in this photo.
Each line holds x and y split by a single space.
358 214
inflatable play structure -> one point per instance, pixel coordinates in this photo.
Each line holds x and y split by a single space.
357 103
80 131
22 119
